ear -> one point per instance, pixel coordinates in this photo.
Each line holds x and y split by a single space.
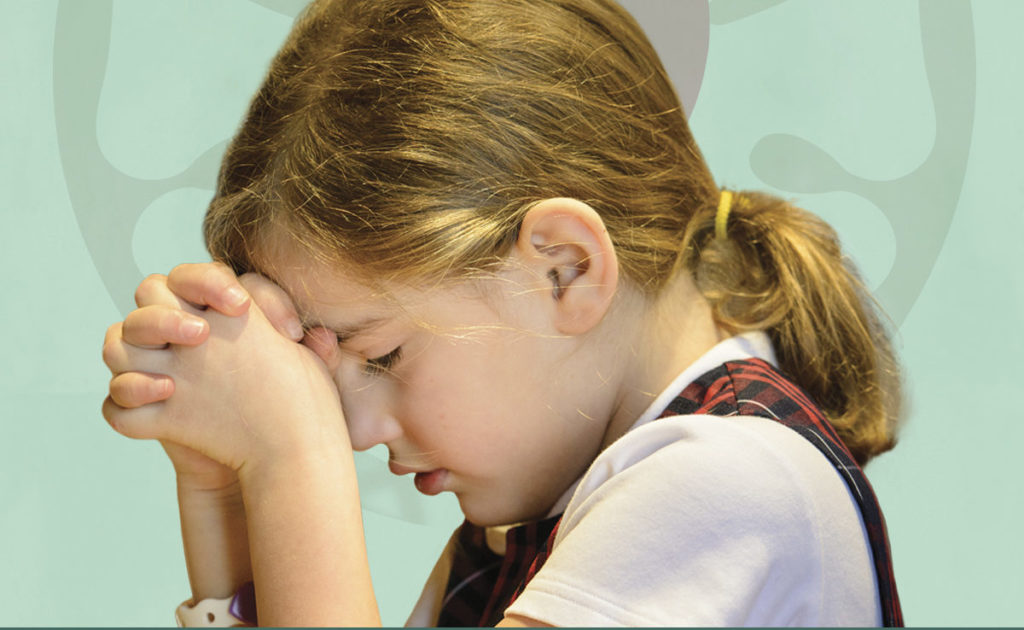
565 245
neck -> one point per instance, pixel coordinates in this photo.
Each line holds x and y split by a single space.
675 329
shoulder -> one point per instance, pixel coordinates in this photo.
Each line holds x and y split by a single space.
709 521
704 471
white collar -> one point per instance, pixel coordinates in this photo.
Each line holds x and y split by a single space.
749 345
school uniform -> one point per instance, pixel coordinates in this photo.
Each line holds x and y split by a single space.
729 502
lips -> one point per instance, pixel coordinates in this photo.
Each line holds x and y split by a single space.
429 482
399 469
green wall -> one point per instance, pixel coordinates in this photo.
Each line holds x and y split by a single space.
897 122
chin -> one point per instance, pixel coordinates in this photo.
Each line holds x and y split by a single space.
496 514
481 516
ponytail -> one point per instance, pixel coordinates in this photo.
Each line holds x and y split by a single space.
404 138
780 269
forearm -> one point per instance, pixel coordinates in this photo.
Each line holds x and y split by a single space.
309 552
216 540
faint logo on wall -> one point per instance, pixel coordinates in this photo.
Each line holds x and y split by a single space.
108 202
920 204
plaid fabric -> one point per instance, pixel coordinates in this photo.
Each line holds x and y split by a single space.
482 584
483 581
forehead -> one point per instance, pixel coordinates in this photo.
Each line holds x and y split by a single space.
325 294
337 296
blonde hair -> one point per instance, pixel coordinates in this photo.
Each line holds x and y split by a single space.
407 138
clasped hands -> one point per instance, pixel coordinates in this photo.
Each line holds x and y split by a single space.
219 370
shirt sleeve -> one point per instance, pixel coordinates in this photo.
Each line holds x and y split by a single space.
687 521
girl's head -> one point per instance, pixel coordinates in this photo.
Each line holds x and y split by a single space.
409 140
409 137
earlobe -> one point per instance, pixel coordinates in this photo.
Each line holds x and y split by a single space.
565 243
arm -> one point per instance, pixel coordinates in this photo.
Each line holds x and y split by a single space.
289 446
294 584
215 537
212 516
308 549
213 524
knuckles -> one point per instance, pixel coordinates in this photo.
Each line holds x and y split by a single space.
131 390
275 303
253 283
123 392
110 343
148 286
202 283
113 332
111 413
109 355
212 273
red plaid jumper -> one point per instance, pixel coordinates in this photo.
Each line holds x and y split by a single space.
482 584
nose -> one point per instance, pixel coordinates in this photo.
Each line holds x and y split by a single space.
369 415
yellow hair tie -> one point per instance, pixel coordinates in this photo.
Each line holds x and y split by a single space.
722 218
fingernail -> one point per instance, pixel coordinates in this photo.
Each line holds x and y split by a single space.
236 296
164 386
191 327
295 330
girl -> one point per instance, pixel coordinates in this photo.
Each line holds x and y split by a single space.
480 233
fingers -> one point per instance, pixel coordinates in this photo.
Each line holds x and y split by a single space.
137 343
121 357
135 389
276 305
153 290
142 423
209 285
128 345
112 348
167 315
156 326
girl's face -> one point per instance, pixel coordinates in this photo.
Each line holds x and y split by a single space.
476 395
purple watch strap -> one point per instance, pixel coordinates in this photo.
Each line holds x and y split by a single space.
243 604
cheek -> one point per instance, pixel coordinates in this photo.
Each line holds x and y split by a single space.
450 391
431 400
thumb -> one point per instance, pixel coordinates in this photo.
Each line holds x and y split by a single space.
324 344
276 305
211 285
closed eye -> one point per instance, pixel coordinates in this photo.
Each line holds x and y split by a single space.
380 365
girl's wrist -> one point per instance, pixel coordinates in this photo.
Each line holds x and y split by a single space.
305 531
327 457
212 504
209 490
299 448
214 532
228 499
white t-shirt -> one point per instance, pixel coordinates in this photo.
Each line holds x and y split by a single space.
708 521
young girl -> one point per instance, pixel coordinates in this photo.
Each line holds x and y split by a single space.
480 233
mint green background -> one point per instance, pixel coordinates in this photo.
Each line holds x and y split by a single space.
88 524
